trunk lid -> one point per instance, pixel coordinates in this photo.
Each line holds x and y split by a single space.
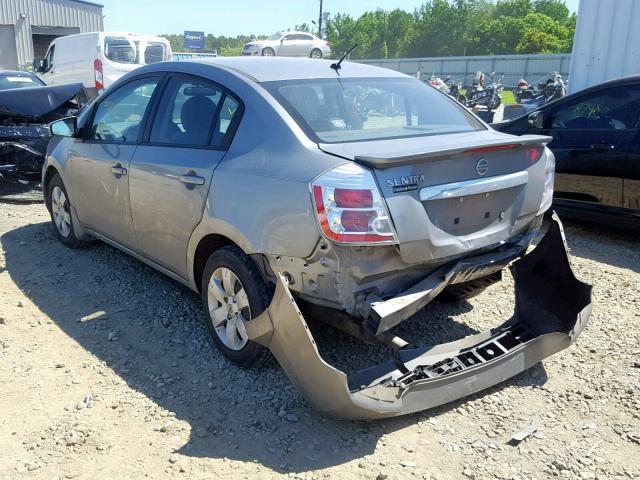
451 194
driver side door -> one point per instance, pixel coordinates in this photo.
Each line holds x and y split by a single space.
99 161
591 136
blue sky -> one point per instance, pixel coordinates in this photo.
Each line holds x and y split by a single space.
233 17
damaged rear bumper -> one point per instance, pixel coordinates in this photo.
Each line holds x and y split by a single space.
552 307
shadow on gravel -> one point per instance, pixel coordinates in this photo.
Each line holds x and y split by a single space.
148 330
603 244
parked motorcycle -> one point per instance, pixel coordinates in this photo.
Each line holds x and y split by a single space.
488 96
552 89
523 91
438 83
455 90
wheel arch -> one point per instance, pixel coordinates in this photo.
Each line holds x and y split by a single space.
46 178
205 240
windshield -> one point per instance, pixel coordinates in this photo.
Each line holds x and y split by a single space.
361 109
275 36
19 81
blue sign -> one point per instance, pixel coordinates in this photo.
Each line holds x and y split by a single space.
194 40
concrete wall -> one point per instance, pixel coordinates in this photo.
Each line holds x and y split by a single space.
531 67
60 17
606 44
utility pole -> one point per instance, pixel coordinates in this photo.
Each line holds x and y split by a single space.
320 21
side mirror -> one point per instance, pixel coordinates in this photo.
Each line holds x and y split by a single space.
38 65
65 127
281 41
536 120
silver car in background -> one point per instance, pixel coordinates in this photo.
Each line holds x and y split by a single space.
289 44
259 183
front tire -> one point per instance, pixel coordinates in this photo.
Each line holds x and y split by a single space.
315 53
234 292
268 52
59 207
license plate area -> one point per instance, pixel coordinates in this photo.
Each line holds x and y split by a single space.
463 215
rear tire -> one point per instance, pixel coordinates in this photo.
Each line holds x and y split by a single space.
470 289
233 292
268 52
59 206
315 53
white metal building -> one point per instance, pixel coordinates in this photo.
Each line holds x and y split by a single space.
28 26
606 44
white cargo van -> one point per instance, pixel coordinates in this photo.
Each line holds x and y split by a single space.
98 59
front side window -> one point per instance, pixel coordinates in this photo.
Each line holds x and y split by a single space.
119 50
193 112
119 116
361 109
613 109
48 59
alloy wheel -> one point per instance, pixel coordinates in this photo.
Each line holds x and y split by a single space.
228 308
60 210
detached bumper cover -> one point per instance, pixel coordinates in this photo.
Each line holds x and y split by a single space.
552 308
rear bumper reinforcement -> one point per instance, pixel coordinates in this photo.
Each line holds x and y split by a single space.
552 307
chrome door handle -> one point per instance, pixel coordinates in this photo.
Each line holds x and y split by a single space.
118 170
190 179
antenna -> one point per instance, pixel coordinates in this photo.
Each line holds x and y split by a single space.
336 66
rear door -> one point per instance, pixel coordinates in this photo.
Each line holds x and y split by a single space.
171 170
304 44
631 187
99 162
591 138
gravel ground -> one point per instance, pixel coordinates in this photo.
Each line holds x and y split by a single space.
106 371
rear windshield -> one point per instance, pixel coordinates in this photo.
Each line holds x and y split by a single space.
119 50
19 81
361 109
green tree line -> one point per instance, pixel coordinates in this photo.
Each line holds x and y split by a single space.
437 28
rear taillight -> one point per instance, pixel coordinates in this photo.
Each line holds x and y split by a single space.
549 178
97 71
533 154
349 207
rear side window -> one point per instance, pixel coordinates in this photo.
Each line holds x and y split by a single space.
362 109
119 50
193 112
119 116
154 53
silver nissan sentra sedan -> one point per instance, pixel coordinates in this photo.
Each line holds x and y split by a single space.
264 182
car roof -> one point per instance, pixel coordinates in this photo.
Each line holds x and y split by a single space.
268 69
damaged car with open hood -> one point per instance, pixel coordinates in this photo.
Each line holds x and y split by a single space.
27 106
261 183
